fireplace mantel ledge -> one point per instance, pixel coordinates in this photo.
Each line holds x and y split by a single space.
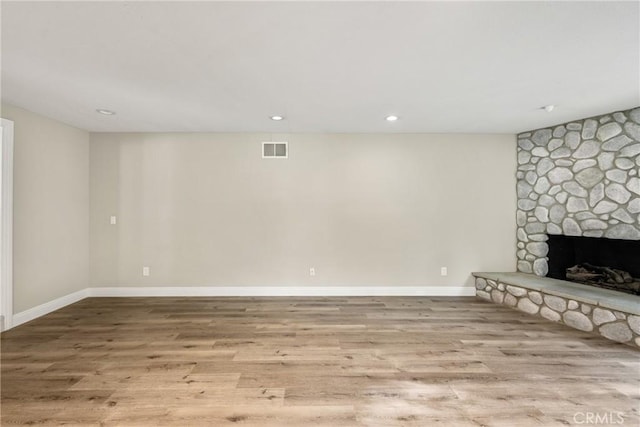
604 298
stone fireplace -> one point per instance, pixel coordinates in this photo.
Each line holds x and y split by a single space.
579 179
578 215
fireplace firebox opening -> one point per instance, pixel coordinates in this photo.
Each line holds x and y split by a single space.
606 263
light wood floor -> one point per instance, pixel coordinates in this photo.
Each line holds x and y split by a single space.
311 361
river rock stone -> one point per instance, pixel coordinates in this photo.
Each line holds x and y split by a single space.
572 140
559 131
540 152
634 206
630 151
553 229
561 153
557 213
572 305
622 215
538 248
623 163
589 177
525 144
542 185
573 126
570 227
527 306
608 131
523 189
633 130
559 175
510 300
541 137
539 237
589 128
523 157
546 200
584 215
534 227
530 177
616 143
497 296
619 117
577 320
601 316
623 231
617 175
584 164
635 115
617 193
516 291
556 303
549 314
535 297
605 161
542 214
594 224
526 205
576 204
562 197
605 207
521 218
540 267
587 149
618 331
525 267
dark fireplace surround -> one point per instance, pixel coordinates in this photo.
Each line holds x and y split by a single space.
568 251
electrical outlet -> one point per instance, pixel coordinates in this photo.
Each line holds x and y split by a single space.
443 271
145 271
113 220
312 271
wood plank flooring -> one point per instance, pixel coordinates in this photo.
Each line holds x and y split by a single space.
409 361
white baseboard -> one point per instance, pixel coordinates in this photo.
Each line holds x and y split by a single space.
48 307
239 291
280 291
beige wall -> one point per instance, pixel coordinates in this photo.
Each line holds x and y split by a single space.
206 209
51 213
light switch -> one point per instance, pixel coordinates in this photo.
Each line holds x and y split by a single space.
113 220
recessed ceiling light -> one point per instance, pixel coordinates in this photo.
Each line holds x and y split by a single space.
106 112
277 118
392 118
549 108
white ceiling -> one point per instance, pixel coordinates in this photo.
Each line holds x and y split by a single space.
326 66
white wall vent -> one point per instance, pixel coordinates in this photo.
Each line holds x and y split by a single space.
275 150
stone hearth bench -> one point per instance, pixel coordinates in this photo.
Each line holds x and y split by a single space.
612 314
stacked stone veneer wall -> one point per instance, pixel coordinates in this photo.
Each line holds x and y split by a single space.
578 179
611 324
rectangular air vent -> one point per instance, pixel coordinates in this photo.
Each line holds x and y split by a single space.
275 150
